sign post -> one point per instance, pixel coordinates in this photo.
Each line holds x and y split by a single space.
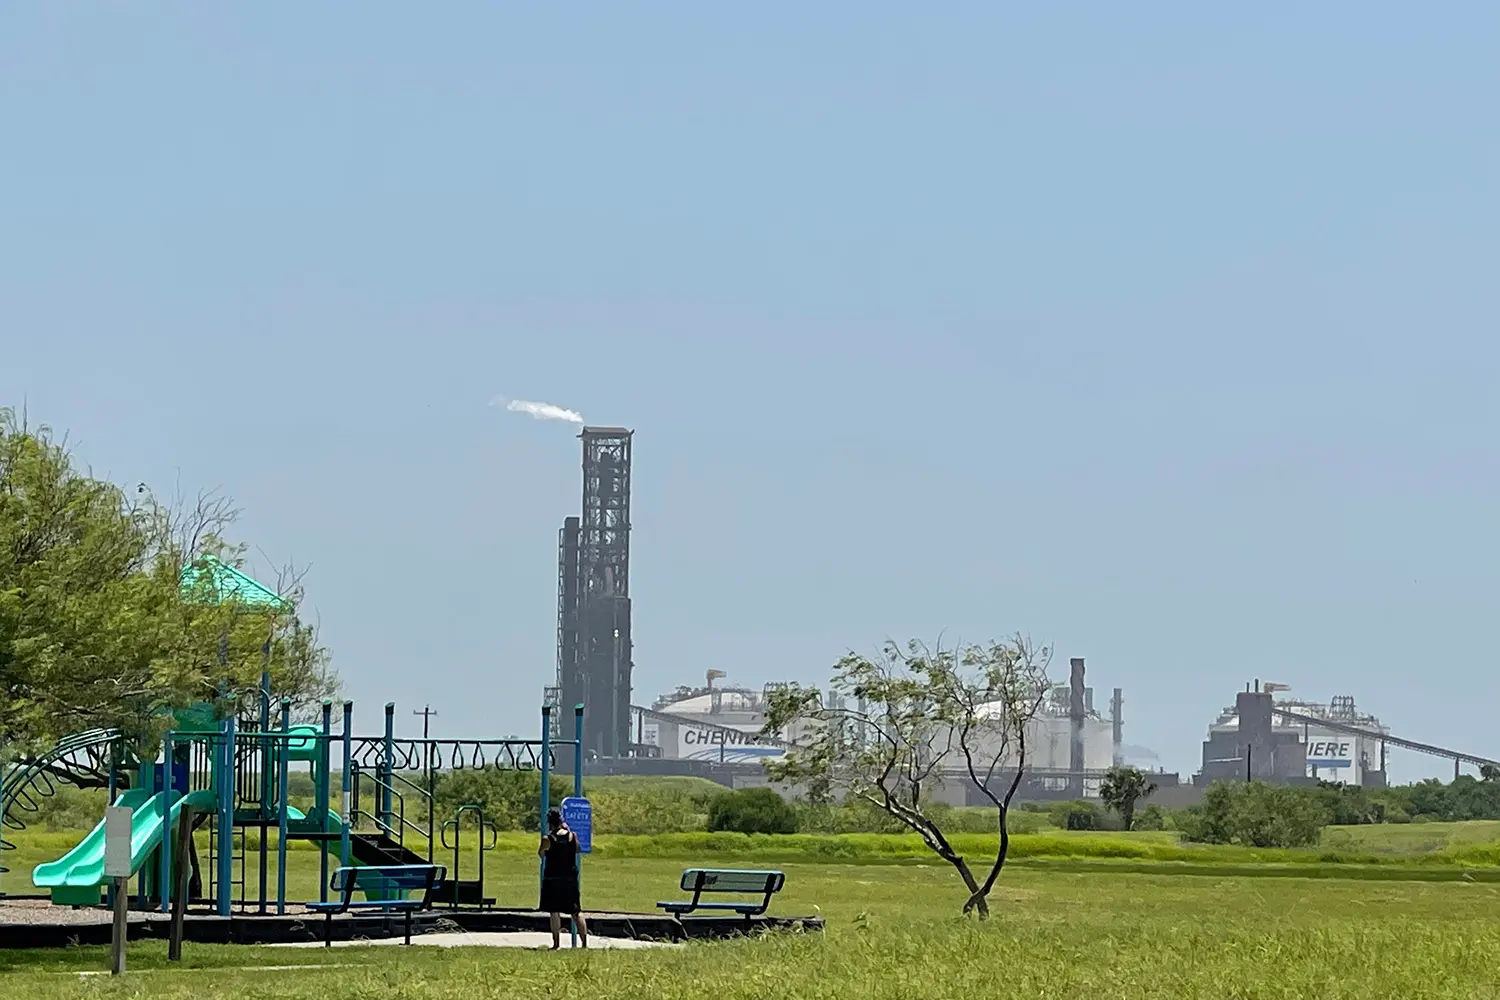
578 814
117 825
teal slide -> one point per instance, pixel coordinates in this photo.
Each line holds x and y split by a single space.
76 877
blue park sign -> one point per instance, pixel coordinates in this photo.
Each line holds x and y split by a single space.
579 815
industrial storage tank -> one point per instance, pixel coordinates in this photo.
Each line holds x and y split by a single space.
724 723
710 723
1049 736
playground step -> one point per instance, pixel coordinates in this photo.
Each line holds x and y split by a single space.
379 849
462 892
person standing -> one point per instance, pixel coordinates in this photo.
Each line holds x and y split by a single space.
559 854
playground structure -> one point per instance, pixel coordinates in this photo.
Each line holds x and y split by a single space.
232 775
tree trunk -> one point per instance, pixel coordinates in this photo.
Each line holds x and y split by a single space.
977 895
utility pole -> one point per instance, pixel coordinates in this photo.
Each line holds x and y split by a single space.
426 713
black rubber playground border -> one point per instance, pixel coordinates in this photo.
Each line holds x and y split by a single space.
289 929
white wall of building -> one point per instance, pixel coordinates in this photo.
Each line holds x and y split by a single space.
733 734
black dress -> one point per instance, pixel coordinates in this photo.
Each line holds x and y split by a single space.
560 874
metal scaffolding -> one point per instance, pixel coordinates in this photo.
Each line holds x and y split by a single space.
593 595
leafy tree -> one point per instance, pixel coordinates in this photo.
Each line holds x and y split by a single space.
95 629
1256 814
1122 788
752 810
905 720
1489 772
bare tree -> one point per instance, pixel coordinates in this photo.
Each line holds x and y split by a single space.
895 725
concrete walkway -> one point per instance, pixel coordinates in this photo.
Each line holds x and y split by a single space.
523 939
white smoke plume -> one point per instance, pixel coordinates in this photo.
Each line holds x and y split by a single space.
539 411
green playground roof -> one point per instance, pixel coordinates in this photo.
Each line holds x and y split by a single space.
211 580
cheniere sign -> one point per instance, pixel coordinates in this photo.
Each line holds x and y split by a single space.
1331 753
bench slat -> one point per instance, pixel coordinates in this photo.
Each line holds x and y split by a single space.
375 904
731 880
392 876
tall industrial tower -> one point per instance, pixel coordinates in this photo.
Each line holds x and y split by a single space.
593 596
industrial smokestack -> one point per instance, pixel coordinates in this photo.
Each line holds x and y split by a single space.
1075 719
1117 722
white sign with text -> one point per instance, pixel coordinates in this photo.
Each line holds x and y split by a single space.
117 825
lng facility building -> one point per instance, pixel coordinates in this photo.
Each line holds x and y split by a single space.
714 730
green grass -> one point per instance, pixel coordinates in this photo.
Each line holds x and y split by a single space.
893 932
1454 851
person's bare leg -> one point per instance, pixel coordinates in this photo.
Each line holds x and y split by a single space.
556 931
583 928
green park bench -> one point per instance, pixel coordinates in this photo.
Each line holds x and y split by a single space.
699 881
386 888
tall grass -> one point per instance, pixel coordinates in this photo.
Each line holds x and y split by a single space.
893 932
877 847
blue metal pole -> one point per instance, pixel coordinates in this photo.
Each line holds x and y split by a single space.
344 785
325 758
578 791
262 809
578 750
164 872
388 765
546 780
286 725
224 891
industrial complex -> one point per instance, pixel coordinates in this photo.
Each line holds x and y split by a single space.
714 730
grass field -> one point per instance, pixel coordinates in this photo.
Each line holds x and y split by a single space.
893 931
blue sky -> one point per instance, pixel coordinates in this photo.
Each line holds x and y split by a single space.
1159 333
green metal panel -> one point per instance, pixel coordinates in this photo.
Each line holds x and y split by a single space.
211 581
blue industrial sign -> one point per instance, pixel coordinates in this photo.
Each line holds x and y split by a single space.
578 814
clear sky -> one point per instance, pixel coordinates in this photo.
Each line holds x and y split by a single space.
1160 332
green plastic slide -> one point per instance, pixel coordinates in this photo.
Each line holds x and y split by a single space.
76 877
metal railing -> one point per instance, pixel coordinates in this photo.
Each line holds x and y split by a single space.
389 814
482 826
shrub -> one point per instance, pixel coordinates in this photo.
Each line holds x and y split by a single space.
644 812
511 800
1153 817
751 810
70 808
854 816
1079 816
1255 814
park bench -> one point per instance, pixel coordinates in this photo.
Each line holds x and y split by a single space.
698 881
393 881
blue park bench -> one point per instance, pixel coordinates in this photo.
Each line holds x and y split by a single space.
386 888
698 881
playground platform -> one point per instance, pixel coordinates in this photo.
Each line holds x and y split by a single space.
33 922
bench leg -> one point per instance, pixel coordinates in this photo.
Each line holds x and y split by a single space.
328 930
408 926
